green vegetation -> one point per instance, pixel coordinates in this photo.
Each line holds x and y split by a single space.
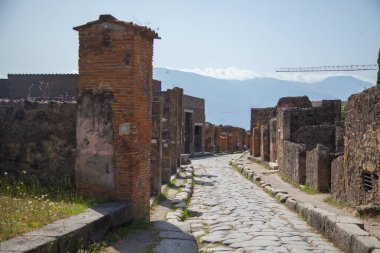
172 182
25 207
343 112
337 203
304 188
185 214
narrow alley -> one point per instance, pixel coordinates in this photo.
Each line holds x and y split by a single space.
234 215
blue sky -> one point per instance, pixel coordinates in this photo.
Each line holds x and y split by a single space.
235 39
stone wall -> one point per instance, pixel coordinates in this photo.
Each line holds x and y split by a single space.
362 147
195 106
294 163
212 138
289 102
156 147
318 168
311 136
337 179
256 140
264 142
37 140
44 86
273 135
261 116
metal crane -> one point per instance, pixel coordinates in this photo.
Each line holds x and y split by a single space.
331 68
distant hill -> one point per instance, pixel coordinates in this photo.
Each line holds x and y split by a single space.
229 101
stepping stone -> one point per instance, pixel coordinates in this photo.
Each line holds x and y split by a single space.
176 235
175 246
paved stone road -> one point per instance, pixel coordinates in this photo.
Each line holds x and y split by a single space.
234 215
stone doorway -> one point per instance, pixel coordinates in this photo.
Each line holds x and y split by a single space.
188 131
198 139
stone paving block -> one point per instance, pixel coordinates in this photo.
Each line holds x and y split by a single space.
363 244
175 246
30 243
176 235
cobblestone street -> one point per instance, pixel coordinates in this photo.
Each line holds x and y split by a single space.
231 214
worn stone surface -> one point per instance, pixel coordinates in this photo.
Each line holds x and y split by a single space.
239 217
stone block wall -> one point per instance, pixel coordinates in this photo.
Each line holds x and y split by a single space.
289 102
264 142
156 147
256 140
116 56
318 168
37 140
273 140
337 179
362 147
339 138
311 136
212 138
223 142
261 116
294 163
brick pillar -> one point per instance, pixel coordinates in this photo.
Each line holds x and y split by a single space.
166 138
115 65
156 146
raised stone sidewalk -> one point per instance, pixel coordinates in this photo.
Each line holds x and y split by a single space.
345 232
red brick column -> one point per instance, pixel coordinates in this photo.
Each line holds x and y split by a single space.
116 56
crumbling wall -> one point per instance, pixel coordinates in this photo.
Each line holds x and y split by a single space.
294 163
261 116
337 179
256 140
289 102
273 135
37 140
318 170
311 136
264 142
362 147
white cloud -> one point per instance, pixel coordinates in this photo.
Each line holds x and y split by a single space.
233 73
230 73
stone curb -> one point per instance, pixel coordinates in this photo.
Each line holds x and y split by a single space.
183 196
69 234
345 232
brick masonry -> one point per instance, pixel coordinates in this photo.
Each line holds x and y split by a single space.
256 140
35 142
116 56
156 147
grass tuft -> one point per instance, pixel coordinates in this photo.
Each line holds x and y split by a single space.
25 207
337 203
303 188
